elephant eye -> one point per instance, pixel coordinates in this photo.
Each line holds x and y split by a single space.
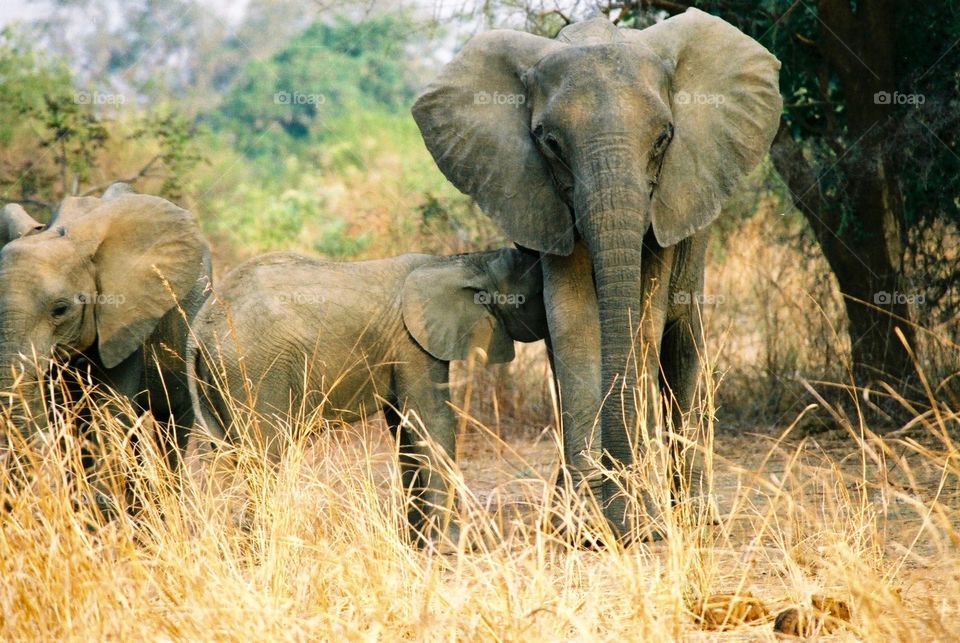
660 146
59 309
538 130
553 145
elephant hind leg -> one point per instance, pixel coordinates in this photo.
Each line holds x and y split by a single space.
680 361
409 466
680 351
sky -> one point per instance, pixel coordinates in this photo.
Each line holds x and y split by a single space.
15 10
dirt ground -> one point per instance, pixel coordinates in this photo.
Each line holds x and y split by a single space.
823 474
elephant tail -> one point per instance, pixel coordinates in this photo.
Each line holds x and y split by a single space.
210 409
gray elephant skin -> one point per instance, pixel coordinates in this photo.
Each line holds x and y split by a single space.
609 151
107 288
288 336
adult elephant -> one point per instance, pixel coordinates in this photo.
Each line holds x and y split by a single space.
610 151
109 287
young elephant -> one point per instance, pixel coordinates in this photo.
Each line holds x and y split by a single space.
287 334
110 285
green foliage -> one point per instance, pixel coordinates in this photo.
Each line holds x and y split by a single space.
60 137
26 79
41 104
179 152
256 217
336 243
288 102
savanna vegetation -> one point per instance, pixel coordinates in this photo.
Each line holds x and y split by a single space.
831 436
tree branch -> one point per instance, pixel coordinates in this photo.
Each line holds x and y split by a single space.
36 202
799 177
130 179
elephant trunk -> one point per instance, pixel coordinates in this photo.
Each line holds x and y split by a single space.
21 390
613 219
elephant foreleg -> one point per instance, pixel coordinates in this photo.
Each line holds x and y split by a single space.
573 318
427 448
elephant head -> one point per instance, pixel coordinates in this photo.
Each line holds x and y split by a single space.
95 282
618 137
480 300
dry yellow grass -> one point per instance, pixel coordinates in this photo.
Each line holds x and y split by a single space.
316 548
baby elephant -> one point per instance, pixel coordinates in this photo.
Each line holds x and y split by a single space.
286 335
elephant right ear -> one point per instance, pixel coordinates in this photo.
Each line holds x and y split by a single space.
446 310
726 104
475 120
72 208
148 255
15 222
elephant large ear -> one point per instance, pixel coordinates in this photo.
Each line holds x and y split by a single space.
15 222
447 308
149 254
475 120
726 106
77 206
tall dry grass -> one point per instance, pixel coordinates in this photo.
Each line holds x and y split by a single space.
316 547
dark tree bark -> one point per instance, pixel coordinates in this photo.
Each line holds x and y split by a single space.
865 252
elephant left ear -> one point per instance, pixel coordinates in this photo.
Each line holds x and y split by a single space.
726 106
447 310
15 222
148 255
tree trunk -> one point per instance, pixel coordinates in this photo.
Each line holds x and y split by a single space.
865 256
864 248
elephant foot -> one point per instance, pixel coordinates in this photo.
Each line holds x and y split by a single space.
578 519
435 538
629 521
598 535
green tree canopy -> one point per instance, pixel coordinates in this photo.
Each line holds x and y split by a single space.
287 101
